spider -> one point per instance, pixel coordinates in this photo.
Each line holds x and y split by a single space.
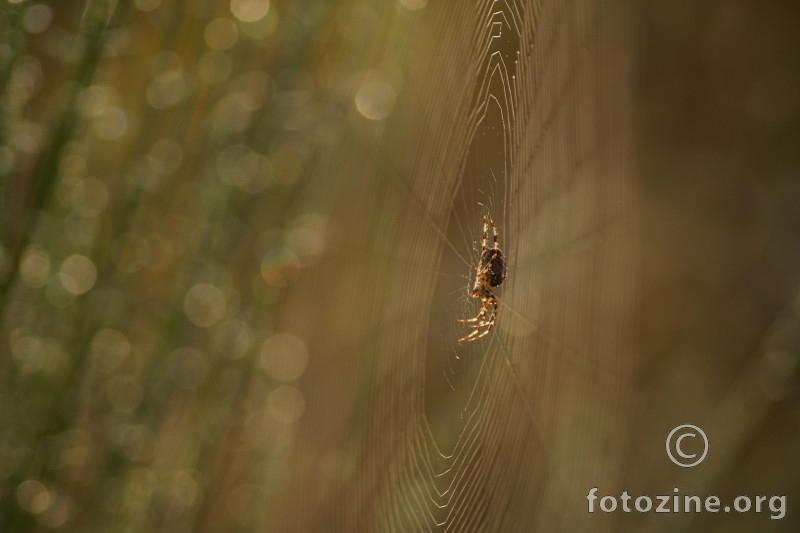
490 272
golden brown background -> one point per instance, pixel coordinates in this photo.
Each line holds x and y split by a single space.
236 236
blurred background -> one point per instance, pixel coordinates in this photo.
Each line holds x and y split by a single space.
236 238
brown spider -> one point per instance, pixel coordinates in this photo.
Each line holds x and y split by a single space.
490 272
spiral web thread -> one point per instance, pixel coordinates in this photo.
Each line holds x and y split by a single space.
529 121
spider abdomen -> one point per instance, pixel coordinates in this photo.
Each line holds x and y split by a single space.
497 266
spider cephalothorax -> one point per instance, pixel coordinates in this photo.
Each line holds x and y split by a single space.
489 273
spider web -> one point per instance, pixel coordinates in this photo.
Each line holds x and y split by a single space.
528 121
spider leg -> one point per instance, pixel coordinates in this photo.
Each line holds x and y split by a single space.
481 334
485 232
471 337
492 316
494 233
480 316
478 333
478 330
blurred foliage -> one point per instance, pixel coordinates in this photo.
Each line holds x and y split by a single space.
154 157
